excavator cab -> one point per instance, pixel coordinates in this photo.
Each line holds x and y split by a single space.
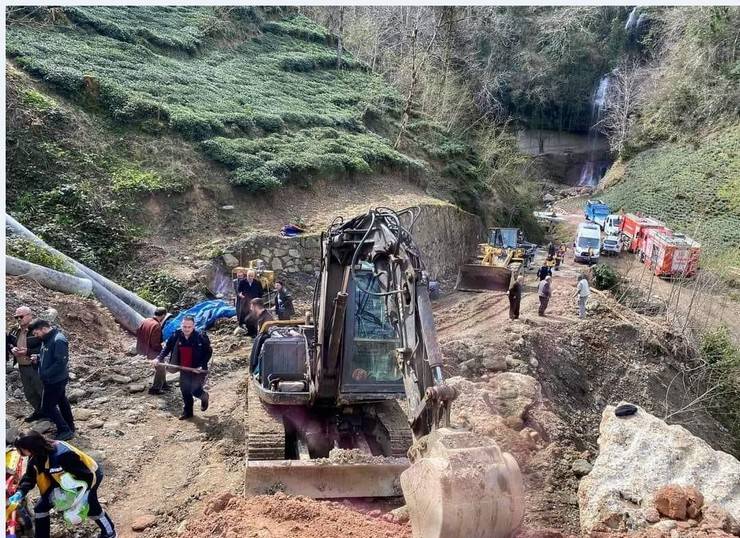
364 381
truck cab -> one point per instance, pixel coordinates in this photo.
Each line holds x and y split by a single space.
613 225
587 245
596 211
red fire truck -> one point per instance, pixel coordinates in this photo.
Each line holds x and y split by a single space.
634 230
671 255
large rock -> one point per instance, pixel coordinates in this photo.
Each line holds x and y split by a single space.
639 454
514 394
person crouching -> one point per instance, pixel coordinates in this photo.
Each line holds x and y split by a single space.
49 462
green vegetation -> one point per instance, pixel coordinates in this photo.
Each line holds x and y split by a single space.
693 188
38 101
605 277
31 252
161 289
128 179
723 380
282 80
264 163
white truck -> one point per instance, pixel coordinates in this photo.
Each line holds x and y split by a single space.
587 246
613 225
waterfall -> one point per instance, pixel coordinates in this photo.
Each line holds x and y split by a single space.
631 20
588 176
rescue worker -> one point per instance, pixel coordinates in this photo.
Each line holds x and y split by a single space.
49 461
515 297
149 344
236 282
22 345
551 250
283 301
190 349
544 291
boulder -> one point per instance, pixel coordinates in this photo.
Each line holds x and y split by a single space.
514 394
640 453
76 394
11 432
671 501
122 379
230 260
83 414
495 363
137 387
581 467
42 426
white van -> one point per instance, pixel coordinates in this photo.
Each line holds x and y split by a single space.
588 242
613 225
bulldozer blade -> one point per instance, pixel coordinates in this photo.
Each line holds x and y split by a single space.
320 480
476 277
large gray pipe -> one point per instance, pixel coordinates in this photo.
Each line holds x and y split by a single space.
49 278
143 307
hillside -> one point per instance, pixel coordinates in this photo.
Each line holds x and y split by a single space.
129 128
692 187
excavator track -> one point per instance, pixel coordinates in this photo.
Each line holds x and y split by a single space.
266 432
393 421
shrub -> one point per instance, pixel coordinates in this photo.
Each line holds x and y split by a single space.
269 123
31 252
38 101
605 277
162 289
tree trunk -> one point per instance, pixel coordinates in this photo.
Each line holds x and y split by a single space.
339 38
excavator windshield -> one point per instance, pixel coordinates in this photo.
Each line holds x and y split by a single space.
370 339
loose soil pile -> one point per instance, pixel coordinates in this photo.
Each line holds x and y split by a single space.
283 516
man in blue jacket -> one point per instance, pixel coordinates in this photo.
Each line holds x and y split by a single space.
53 362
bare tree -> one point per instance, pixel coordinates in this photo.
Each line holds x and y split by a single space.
621 103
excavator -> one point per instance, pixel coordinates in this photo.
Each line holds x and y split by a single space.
498 263
362 375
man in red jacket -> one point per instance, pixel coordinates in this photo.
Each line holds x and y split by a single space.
149 344
191 350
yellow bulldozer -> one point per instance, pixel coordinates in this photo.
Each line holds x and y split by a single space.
498 262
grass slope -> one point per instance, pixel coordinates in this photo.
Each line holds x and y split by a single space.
694 189
261 95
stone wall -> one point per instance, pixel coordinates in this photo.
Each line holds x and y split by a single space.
445 235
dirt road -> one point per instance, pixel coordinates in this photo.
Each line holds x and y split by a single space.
698 303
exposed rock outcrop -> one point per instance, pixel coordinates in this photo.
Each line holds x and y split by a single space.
637 456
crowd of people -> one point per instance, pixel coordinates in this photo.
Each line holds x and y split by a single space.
41 353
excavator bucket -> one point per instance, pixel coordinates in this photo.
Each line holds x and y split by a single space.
477 277
322 480
461 485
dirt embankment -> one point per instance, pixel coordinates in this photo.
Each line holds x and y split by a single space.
536 385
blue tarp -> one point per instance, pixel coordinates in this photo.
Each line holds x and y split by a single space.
205 314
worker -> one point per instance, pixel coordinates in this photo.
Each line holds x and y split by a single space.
560 256
21 346
544 271
51 465
551 250
53 361
283 301
191 349
249 288
544 291
259 316
582 292
149 344
515 297
236 282
589 256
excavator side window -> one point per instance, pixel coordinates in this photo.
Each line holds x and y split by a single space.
371 338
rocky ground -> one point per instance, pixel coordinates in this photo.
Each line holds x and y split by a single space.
537 385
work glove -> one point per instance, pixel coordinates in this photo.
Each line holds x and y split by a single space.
16 498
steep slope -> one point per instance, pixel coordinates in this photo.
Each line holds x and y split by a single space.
130 128
693 188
